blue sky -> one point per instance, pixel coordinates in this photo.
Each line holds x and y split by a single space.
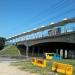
17 16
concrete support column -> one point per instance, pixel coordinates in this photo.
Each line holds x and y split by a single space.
27 49
38 52
61 52
66 54
32 51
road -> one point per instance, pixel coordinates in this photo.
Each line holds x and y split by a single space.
6 69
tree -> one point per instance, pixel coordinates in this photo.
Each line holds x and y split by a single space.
2 42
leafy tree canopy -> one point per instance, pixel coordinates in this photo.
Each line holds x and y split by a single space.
2 42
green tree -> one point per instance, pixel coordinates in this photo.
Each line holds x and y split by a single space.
2 42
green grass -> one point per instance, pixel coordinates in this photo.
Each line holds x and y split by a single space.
10 51
28 66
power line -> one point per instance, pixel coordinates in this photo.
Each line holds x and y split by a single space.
56 5
61 14
55 16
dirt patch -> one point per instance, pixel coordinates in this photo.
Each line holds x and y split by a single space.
6 69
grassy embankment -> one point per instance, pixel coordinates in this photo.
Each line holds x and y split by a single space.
10 51
28 66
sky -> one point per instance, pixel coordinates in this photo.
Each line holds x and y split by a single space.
17 16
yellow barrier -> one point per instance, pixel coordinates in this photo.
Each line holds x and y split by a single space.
49 55
34 61
62 68
69 70
39 62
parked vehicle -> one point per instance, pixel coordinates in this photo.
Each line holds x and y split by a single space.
53 56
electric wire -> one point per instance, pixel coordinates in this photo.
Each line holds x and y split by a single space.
55 16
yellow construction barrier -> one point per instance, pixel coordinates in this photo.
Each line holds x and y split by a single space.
62 68
39 62
69 70
34 61
49 55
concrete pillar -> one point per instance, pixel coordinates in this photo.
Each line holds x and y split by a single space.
61 52
27 49
38 51
32 51
65 53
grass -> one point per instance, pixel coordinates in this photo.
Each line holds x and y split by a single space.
10 51
28 66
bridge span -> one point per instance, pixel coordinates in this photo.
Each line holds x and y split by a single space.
58 42
36 47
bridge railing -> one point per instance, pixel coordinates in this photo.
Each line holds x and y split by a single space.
42 32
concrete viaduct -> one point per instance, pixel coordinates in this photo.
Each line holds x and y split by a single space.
63 43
